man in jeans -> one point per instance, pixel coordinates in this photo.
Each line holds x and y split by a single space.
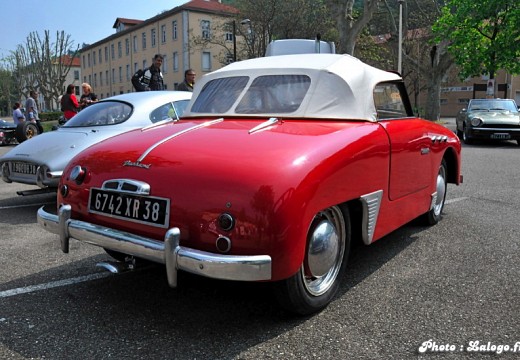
31 110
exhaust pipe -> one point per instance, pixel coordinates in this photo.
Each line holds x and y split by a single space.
117 267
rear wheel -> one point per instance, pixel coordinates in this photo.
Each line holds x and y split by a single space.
328 243
26 130
434 215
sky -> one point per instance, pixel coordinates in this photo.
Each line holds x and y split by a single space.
85 21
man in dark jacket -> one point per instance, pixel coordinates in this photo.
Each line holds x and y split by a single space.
151 78
189 81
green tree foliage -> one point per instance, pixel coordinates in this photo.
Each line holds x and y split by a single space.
483 36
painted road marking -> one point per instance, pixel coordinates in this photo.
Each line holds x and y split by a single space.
53 284
450 201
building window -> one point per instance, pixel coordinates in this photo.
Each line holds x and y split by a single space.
119 49
174 30
112 51
120 74
94 57
106 53
95 80
163 33
164 67
127 46
204 24
99 56
206 61
153 37
175 61
135 43
444 101
113 76
84 62
463 101
144 41
101 79
127 72
106 77
229 36
76 74
136 67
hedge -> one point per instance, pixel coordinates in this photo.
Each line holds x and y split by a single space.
50 115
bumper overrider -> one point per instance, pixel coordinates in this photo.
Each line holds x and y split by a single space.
169 252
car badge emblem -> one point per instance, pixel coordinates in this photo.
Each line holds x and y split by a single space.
136 164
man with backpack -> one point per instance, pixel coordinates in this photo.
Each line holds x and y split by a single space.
150 79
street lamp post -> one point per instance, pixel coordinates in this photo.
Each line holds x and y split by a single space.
234 41
400 55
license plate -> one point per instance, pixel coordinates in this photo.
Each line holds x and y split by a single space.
23 168
150 210
501 136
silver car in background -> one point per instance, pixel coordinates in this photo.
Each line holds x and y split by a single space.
40 160
489 119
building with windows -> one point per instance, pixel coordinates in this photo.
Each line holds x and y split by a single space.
456 94
108 65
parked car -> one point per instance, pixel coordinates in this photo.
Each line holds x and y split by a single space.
278 164
489 119
7 132
41 159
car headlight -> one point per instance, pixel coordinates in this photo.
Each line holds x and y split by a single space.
476 121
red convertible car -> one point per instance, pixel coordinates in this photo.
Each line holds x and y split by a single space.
276 165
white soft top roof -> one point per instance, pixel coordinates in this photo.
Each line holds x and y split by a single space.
341 86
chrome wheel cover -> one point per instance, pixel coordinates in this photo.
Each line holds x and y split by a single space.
326 247
441 191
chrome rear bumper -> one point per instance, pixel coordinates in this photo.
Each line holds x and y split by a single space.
169 252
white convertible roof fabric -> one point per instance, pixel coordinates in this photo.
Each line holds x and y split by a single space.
341 86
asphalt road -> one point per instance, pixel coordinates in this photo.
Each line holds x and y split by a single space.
454 284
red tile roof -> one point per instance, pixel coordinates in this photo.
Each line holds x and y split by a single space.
65 59
209 5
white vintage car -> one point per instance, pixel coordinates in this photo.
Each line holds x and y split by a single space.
41 159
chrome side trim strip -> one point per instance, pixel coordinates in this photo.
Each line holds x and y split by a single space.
371 204
208 123
168 252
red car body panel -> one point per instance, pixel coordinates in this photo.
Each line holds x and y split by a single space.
273 181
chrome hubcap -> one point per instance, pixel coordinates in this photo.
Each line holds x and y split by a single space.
325 251
441 191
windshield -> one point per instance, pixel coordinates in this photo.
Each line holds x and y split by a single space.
280 94
101 113
493 105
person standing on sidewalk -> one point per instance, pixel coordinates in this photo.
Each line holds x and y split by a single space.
31 110
189 81
150 79
18 117
69 103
